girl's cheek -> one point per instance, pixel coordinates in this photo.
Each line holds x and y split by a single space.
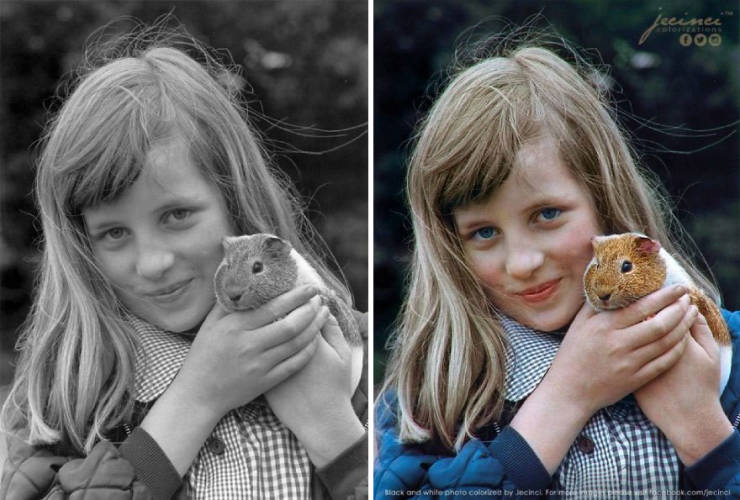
115 266
486 269
579 239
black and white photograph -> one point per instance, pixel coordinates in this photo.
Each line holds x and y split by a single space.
184 249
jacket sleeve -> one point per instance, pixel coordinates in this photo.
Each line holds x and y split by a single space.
717 474
346 476
107 472
482 469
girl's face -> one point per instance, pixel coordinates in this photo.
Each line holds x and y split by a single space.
529 242
159 244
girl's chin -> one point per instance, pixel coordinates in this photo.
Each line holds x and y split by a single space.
187 327
544 321
185 322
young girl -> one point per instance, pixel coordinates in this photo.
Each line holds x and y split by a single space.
131 382
502 382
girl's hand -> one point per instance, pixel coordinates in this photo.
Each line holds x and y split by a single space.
604 356
315 403
607 355
684 401
233 359
237 357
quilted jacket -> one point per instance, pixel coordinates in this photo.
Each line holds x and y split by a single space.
501 463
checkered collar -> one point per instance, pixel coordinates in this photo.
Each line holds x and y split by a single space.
529 354
158 358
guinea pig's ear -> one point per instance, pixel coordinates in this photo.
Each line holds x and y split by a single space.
645 245
276 247
228 242
596 242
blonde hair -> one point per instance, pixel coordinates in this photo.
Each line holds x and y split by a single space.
448 361
74 379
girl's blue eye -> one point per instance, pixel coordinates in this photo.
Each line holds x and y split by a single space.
485 233
550 213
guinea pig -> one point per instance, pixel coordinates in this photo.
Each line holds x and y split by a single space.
626 267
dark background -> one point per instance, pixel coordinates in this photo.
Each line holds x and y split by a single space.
305 63
696 89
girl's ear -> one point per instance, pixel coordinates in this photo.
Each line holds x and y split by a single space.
645 245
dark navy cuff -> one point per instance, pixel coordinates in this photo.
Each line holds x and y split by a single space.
519 460
716 469
348 471
151 464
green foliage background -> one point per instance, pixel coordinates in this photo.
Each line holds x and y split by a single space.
305 64
694 92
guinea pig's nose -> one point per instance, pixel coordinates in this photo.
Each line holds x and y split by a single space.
235 297
605 297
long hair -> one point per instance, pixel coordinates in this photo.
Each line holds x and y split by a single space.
448 357
74 379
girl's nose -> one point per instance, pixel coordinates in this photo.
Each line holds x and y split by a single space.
521 262
152 262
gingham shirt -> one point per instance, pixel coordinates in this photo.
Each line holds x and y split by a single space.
250 453
618 454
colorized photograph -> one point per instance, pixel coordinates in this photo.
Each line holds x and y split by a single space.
556 248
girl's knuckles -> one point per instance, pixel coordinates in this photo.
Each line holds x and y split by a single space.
623 368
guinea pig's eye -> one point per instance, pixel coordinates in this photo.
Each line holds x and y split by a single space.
626 266
257 267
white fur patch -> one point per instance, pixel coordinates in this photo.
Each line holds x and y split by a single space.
675 274
307 275
725 360
357 356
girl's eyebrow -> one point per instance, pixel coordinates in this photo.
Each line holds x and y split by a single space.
465 220
177 202
100 227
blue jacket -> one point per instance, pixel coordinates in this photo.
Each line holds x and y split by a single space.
507 466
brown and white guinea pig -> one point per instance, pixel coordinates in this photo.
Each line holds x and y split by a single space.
628 266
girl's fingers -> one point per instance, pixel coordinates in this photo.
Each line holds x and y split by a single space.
703 336
216 313
277 307
293 364
653 329
335 338
663 344
647 306
288 327
662 363
284 350
585 312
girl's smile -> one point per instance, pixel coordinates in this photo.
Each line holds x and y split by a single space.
169 293
540 292
159 244
529 242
